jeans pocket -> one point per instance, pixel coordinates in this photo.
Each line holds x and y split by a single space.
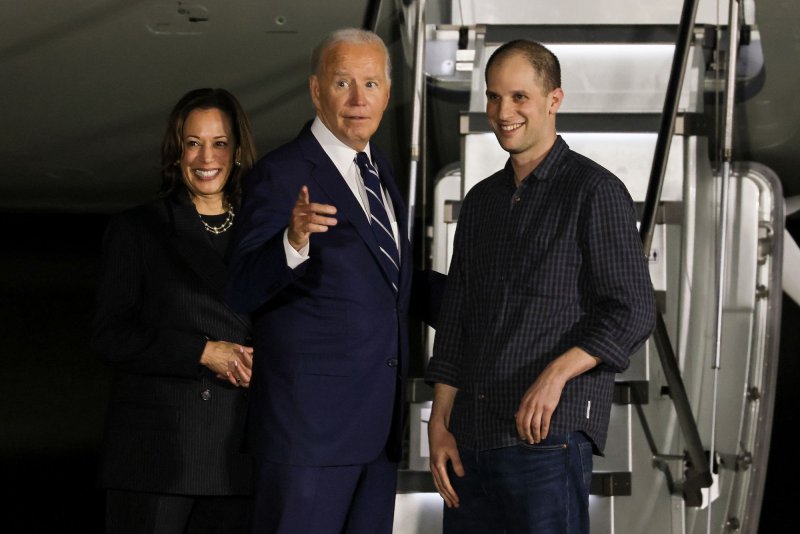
542 447
587 463
550 443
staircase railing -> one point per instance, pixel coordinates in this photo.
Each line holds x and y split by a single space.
698 472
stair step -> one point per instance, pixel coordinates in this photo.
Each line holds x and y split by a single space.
604 484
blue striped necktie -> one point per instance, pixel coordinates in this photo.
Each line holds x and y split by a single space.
379 219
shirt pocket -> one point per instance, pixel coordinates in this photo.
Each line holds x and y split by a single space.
550 267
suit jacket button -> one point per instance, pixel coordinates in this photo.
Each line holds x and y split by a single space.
206 394
391 362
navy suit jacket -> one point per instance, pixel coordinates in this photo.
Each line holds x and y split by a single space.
330 336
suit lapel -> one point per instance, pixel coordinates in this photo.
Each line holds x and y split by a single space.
192 245
347 206
338 191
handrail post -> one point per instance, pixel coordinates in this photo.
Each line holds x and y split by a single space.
722 233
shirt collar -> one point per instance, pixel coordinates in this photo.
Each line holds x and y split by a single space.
547 169
341 154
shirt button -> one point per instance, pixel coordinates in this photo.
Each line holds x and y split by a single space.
391 362
206 394
517 199
481 396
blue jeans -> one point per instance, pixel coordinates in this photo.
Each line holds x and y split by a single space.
541 489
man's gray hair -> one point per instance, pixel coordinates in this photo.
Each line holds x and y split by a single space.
352 36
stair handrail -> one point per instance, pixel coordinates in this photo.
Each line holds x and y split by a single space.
416 113
698 472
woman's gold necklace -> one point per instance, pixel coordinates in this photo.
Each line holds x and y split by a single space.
224 227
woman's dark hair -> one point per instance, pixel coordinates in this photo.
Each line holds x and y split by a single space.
172 145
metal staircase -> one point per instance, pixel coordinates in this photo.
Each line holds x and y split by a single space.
646 98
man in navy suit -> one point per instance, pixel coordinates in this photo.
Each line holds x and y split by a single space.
329 297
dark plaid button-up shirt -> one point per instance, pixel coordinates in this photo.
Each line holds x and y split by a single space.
538 269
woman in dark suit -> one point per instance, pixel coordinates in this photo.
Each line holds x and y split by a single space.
171 460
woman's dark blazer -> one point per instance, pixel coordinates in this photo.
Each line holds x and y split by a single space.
172 427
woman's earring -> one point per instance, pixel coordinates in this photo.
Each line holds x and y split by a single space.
238 163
